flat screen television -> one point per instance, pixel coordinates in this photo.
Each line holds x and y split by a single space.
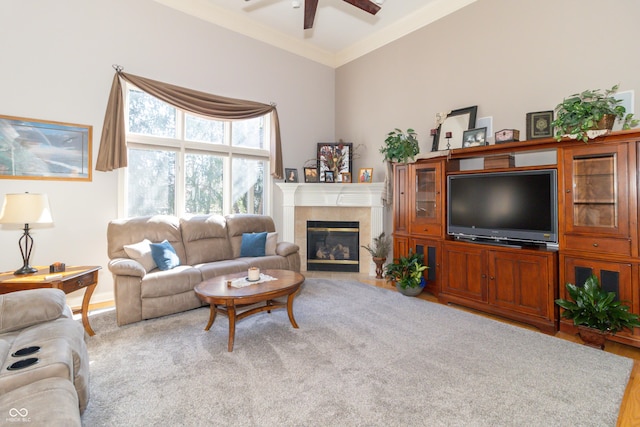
517 206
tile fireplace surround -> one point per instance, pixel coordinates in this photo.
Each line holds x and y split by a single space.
304 202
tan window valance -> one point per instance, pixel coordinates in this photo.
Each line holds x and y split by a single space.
113 144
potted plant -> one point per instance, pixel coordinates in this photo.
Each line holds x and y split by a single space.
589 110
379 250
400 146
406 272
596 312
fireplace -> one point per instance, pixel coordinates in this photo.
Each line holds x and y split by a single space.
304 202
333 246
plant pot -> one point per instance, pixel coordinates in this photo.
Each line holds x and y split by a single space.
379 263
592 337
411 292
606 122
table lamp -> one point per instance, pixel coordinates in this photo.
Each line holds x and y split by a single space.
25 208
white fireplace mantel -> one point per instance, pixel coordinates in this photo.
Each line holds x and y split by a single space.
332 195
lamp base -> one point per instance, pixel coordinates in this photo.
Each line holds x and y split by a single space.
26 269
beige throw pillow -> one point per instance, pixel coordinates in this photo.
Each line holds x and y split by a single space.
270 245
141 252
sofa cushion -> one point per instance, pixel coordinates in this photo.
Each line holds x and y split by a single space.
205 238
238 224
48 402
215 269
253 244
141 252
22 309
268 262
155 228
164 255
177 280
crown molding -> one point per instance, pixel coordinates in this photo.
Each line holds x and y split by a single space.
241 24
421 18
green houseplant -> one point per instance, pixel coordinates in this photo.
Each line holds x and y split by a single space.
589 110
597 310
400 146
379 250
406 272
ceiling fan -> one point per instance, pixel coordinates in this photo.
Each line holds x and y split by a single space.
310 7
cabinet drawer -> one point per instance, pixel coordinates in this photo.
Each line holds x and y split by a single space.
79 282
434 230
598 244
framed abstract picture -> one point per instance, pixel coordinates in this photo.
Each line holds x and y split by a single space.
335 157
37 149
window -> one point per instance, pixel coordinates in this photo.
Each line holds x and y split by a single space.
181 163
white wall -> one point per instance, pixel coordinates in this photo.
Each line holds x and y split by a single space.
56 65
507 57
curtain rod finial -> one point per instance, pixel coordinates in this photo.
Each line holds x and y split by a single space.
118 68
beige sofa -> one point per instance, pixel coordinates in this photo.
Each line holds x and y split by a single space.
206 246
37 326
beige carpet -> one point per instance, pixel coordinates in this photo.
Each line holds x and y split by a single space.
363 356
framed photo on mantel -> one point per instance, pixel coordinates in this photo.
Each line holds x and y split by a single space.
310 174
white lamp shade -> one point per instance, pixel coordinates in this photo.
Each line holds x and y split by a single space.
25 208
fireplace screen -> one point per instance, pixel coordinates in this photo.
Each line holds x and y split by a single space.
333 246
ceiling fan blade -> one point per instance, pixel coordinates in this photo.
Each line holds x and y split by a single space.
365 5
310 7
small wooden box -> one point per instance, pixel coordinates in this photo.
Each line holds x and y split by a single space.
499 162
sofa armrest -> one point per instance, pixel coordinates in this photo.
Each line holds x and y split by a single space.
286 248
126 267
21 309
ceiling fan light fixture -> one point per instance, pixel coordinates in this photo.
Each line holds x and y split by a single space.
378 2
296 4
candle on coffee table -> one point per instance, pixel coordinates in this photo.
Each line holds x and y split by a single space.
254 273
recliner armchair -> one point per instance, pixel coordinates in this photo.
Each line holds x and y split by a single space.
44 365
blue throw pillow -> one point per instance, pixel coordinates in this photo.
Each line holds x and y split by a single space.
164 255
253 244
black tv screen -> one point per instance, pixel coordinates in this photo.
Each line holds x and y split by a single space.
519 206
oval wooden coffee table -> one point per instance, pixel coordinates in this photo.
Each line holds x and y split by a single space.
227 299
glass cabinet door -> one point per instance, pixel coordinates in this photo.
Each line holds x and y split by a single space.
594 194
596 190
425 194
426 199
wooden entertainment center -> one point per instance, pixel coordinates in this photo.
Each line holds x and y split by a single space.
597 228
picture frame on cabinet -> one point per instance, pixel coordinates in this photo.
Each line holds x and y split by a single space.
539 124
310 174
454 125
336 157
291 175
474 137
44 150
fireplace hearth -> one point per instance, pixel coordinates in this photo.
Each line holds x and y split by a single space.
333 246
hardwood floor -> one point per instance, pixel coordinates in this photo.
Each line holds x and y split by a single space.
630 407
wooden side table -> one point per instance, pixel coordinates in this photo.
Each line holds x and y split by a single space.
70 280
